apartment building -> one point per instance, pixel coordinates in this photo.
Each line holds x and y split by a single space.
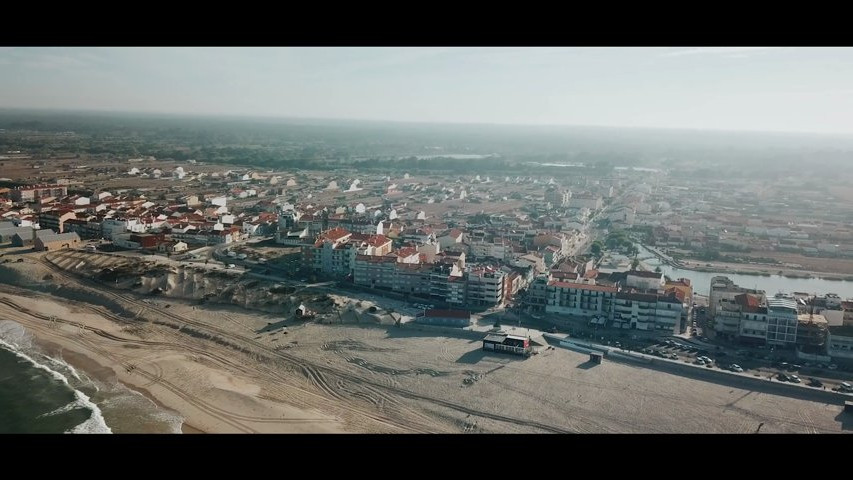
782 319
447 283
645 311
536 298
375 271
33 193
590 201
723 288
485 286
55 219
558 197
499 248
840 342
330 253
577 299
85 228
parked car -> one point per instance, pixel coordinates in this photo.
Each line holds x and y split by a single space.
813 382
793 378
736 368
782 377
833 366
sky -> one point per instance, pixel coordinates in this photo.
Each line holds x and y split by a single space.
719 88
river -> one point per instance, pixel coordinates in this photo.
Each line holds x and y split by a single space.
771 284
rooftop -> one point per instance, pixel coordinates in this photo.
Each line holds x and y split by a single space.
581 286
780 303
816 319
644 274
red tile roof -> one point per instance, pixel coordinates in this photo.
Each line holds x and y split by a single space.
590 274
406 252
334 234
747 300
372 240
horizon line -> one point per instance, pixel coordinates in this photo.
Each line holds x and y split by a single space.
247 116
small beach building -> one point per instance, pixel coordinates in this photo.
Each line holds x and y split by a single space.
501 342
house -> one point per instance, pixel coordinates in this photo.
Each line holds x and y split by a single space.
295 237
172 247
451 237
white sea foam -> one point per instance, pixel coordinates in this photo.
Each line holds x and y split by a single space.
75 404
62 363
95 423
172 419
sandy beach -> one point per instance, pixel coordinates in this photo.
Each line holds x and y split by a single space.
225 371
178 376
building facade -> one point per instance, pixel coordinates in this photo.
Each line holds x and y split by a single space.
37 192
579 299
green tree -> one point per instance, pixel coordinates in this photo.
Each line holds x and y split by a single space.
657 269
595 248
635 263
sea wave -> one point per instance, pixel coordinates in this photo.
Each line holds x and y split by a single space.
132 400
63 364
95 423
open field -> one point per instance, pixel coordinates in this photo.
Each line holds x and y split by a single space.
231 370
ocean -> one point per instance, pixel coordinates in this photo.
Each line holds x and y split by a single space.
42 393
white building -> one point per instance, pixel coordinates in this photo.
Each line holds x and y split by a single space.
840 342
642 280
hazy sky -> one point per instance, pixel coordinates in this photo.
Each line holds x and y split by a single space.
750 88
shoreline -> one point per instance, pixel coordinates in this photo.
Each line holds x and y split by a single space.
209 398
97 371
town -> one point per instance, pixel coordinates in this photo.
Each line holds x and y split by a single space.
535 246
635 265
